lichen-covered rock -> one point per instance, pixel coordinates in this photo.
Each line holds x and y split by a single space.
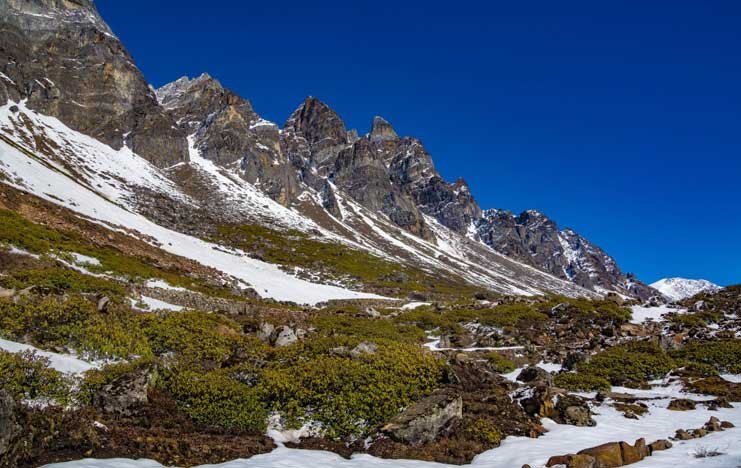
659 445
426 419
124 394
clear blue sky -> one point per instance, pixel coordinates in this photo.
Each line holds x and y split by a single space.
619 119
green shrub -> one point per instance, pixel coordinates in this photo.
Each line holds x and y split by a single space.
348 395
484 431
62 280
724 356
500 363
631 363
27 375
197 337
366 328
605 309
213 399
74 322
579 382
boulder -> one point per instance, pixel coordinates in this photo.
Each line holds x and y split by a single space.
713 425
574 410
102 303
659 445
727 425
681 434
285 336
265 332
609 455
426 419
6 292
633 453
365 347
681 404
572 461
125 393
535 374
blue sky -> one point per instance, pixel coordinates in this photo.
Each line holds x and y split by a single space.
621 120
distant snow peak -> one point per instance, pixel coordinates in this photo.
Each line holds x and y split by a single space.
677 289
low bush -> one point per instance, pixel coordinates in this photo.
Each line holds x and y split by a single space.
629 364
500 363
26 375
724 356
579 382
348 395
215 400
484 431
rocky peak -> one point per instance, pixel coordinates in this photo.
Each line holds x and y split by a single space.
103 95
533 238
381 130
321 127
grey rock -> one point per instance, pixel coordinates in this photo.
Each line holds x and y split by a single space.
125 393
426 419
365 347
285 336
65 61
535 239
534 374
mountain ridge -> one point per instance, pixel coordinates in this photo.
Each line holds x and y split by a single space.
312 165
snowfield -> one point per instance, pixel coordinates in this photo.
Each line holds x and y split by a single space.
677 289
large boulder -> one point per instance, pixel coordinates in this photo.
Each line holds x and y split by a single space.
426 419
574 410
535 374
125 393
572 461
609 455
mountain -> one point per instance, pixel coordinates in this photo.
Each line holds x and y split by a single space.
677 289
196 158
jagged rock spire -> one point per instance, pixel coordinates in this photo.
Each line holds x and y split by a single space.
382 130
322 128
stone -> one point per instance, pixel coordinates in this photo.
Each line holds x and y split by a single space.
6 292
535 374
285 336
265 331
659 445
633 454
426 419
572 461
102 304
713 425
365 347
573 410
125 393
607 455
727 425
681 434
681 404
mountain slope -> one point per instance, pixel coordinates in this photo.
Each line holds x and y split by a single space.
195 158
677 289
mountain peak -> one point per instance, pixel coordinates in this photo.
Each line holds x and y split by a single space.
317 123
381 130
677 289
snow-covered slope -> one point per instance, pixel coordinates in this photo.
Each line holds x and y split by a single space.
677 289
39 154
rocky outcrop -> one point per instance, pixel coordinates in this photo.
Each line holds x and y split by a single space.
124 394
361 173
534 239
64 60
226 130
426 419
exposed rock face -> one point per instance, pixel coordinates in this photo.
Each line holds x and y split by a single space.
451 204
361 173
226 130
426 419
62 57
535 239
322 131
